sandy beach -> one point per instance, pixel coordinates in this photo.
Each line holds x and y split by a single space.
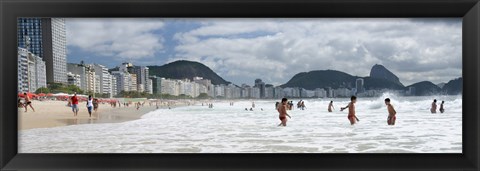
56 113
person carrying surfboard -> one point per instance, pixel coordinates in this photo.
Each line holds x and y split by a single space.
351 110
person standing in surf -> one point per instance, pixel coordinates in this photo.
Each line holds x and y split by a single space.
434 106
441 107
391 112
351 110
282 111
330 106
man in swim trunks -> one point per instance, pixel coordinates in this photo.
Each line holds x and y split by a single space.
28 102
391 112
351 110
282 111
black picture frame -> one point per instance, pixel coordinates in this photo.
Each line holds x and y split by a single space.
469 10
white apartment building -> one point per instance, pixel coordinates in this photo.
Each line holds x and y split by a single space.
31 71
74 79
114 86
105 79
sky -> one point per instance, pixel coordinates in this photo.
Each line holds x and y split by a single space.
274 50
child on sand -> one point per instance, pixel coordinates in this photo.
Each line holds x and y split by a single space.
20 104
351 110
391 112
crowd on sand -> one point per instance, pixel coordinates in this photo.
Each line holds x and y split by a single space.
92 104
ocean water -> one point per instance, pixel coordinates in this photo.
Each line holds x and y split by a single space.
231 129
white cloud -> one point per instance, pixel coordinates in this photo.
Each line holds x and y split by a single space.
121 39
415 50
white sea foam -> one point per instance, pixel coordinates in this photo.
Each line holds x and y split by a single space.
231 129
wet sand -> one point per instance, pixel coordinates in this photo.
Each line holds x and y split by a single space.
55 113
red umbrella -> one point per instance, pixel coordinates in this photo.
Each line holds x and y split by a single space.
49 94
42 94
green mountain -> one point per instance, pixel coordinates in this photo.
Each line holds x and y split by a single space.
321 79
380 83
379 71
186 69
453 87
425 88
336 79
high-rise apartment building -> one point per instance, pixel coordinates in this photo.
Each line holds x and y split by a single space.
105 83
46 38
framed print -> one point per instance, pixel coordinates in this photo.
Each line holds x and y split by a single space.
240 85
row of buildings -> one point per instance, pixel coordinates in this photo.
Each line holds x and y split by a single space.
96 78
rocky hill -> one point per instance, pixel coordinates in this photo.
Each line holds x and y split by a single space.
186 69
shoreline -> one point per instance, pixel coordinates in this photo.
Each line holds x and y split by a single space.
50 114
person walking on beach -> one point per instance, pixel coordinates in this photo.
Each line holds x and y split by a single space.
95 104
74 104
90 105
434 106
441 107
253 104
28 102
138 105
351 110
391 113
330 106
282 111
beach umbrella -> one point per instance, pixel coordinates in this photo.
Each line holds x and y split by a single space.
49 94
42 94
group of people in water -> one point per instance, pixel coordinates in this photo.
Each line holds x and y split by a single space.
283 106
210 105
391 118
434 107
